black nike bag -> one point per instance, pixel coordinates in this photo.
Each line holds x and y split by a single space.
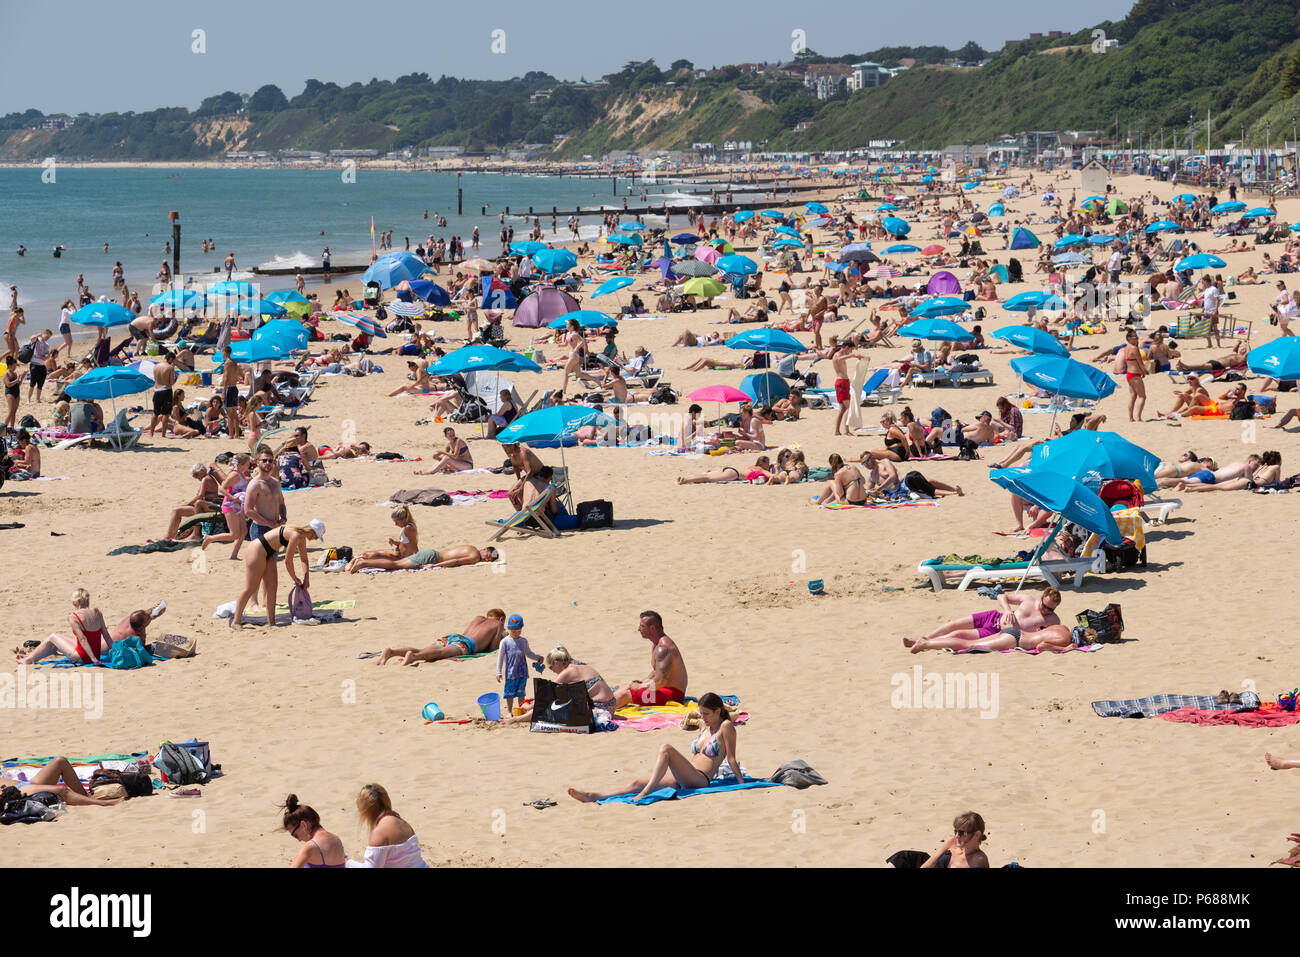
558 707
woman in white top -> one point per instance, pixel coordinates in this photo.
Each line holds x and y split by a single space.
65 324
406 544
392 841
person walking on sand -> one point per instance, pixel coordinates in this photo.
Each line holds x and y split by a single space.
164 381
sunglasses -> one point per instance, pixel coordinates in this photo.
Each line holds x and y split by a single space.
961 833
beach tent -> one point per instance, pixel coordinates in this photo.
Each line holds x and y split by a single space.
765 387
943 284
1001 272
545 304
1023 239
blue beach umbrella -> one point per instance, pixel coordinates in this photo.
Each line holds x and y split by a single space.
108 382
1073 239
899 249
1097 239
483 358
103 314
430 292
587 319
1279 359
772 214
282 296
257 350
527 247
630 227
360 320
895 226
390 270
933 328
1199 261
254 307
1093 457
1162 226
787 231
765 387
631 239
743 216
1064 376
819 208
289 332
233 288
786 242
1188 199
939 306
1259 212
766 340
1234 206
1033 339
612 285
180 299
997 209
736 265
886 208
1068 497
555 260
551 423
685 239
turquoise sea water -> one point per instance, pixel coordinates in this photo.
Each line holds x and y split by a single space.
260 215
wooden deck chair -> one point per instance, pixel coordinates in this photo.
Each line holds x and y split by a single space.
532 520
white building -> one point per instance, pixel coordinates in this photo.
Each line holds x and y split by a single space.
866 76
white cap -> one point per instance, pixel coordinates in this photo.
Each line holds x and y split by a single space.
318 527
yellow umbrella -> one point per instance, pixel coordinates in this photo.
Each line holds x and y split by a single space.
703 287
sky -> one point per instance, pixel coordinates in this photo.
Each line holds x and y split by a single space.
89 56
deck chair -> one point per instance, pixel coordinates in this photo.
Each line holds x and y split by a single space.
1160 508
876 392
972 375
118 434
532 520
1091 558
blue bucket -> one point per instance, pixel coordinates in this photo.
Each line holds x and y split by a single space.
490 705
817 586
432 712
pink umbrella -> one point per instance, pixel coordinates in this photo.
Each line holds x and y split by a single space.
707 254
718 393
883 272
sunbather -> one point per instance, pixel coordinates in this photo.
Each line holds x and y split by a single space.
715 743
455 457
406 544
728 473
1189 463
480 636
1049 638
421 384
1236 359
1015 612
260 565
960 850
319 848
392 842
1265 470
348 450
847 485
59 777
1207 476
452 556
1189 400
208 499
568 671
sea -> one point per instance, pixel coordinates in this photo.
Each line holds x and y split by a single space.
266 217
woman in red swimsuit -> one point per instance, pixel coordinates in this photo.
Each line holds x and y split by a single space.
89 639
1135 370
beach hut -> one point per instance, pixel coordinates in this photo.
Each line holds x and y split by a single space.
1095 177
1023 239
943 284
545 304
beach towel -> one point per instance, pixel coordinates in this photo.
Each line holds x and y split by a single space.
24 769
162 546
1268 716
1024 651
669 715
1158 704
322 611
843 505
797 774
77 663
669 794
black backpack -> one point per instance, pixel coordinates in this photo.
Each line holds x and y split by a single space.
26 352
1243 409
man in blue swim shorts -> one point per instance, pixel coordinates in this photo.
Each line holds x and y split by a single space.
481 635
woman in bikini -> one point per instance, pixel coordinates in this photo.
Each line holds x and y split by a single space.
1134 371
577 344
454 458
728 473
59 777
347 450
11 382
319 848
260 564
421 385
89 642
714 744
896 441
406 544
846 485
232 505
568 671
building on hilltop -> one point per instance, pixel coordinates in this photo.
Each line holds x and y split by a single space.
868 75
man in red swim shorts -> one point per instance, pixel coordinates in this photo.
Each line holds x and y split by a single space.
667 681
840 356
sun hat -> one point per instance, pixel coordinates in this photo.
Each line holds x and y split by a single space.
515 621
317 526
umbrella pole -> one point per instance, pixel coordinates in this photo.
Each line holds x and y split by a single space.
1038 558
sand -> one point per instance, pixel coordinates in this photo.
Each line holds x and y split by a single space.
292 709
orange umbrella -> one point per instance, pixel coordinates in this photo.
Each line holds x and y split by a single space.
932 250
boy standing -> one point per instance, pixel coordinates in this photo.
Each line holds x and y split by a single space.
512 663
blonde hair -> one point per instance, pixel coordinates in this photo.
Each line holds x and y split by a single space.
402 514
81 598
558 653
372 801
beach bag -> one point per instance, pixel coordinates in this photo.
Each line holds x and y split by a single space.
174 646
663 395
200 752
1107 623
178 766
341 553
1119 557
1243 409
26 352
596 514
939 417
561 708
128 654
132 783
299 603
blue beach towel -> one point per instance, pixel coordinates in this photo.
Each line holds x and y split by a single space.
668 794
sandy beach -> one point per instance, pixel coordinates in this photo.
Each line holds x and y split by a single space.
293 709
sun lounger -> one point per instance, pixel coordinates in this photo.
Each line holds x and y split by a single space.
1052 571
876 391
119 435
532 520
1161 508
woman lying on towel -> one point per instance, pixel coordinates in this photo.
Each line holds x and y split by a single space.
715 743
319 848
60 778
1051 638
961 849
1265 470
760 473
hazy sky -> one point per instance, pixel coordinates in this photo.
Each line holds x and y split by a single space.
87 55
